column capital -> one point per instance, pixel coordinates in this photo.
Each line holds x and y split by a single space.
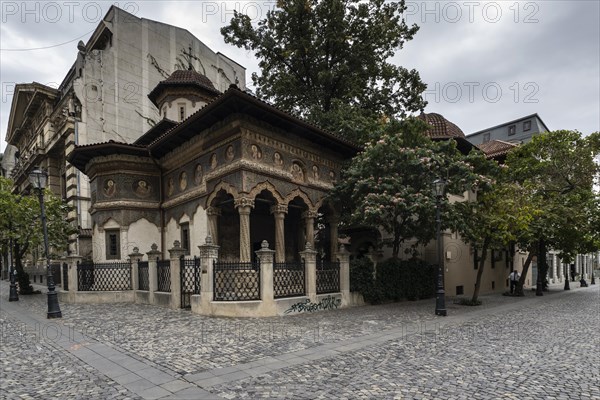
213 211
243 203
310 214
279 209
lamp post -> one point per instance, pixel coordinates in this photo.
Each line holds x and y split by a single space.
13 294
38 180
594 265
567 287
440 294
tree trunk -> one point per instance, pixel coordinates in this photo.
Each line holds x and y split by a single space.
480 271
519 288
22 277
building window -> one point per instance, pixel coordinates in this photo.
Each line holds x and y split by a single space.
486 137
181 112
527 125
512 130
460 290
113 245
185 237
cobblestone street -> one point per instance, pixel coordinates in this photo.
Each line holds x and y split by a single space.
530 347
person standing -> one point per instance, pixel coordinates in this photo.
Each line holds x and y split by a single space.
513 278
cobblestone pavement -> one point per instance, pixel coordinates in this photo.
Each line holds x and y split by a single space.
508 348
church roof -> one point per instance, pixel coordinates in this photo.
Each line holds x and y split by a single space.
236 101
157 130
183 78
496 148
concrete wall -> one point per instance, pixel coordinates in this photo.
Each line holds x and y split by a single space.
142 234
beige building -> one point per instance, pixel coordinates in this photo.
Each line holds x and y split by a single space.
104 97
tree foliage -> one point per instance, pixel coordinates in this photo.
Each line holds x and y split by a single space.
556 171
327 60
21 226
389 184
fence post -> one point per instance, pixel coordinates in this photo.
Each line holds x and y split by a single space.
310 261
135 258
209 253
153 255
343 257
72 261
175 255
265 256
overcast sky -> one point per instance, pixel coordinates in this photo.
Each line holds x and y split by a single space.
485 62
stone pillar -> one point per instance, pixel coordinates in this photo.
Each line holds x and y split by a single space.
309 219
343 256
244 206
267 297
175 254
153 256
310 262
213 214
73 260
279 212
209 253
135 258
333 234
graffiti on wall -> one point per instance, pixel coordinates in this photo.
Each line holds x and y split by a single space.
326 303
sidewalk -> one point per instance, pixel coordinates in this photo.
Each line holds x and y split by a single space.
137 351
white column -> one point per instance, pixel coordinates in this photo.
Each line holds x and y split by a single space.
279 212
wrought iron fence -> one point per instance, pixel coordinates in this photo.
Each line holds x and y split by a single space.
190 280
143 276
235 281
288 279
163 272
104 276
56 274
328 277
65 276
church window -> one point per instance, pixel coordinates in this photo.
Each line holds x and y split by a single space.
113 248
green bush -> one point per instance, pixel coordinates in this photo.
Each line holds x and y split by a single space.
395 280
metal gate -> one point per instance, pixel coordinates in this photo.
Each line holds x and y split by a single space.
190 280
65 277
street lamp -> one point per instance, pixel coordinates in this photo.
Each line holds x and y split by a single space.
567 287
38 180
13 294
440 294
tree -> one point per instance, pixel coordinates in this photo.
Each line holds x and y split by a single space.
556 171
327 60
495 218
389 184
20 225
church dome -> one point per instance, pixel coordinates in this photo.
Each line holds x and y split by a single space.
440 127
183 79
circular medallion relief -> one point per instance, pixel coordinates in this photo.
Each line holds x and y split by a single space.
183 180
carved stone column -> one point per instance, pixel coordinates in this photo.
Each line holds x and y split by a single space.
135 258
176 254
343 257
279 212
309 220
213 214
244 206
333 234
153 255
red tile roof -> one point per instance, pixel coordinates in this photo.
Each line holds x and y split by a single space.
496 148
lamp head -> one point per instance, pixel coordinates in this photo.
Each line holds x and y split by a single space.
38 178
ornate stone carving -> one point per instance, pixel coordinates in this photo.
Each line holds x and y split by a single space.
315 171
243 202
297 172
279 209
213 161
